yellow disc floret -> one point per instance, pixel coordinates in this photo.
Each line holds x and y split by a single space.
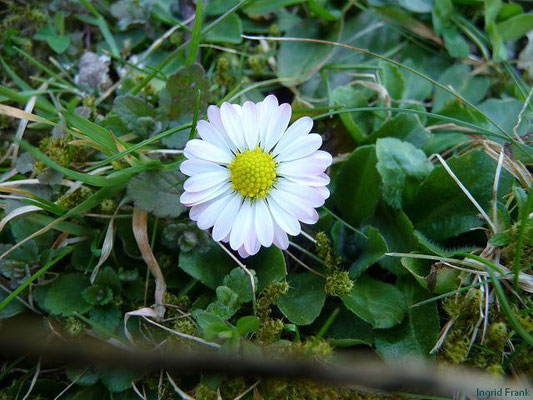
253 173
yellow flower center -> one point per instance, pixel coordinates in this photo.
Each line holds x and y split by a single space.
253 173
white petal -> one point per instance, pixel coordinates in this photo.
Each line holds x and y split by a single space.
314 164
264 227
210 133
241 226
194 198
209 215
267 109
250 124
195 166
311 180
213 114
305 193
298 129
195 212
281 239
302 210
300 148
277 126
199 182
286 221
226 219
201 149
232 124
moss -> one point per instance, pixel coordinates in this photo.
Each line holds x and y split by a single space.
269 331
186 325
72 199
509 252
270 296
202 392
224 76
231 388
74 326
338 283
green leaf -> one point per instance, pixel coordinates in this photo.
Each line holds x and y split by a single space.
226 304
158 192
247 325
397 162
392 78
181 91
358 250
417 334
357 191
65 295
136 113
347 329
269 266
437 278
239 282
305 299
515 27
12 309
118 380
418 6
380 304
441 210
455 43
97 295
108 317
228 31
355 123
87 378
441 15
460 78
406 127
299 60
209 267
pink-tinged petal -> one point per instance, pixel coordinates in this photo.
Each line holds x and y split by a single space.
209 216
233 125
300 128
199 182
194 198
242 252
277 126
306 194
314 164
250 243
300 148
213 114
196 166
203 150
267 109
281 240
250 124
293 205
241 227
286 221
264 226
324 191
226 219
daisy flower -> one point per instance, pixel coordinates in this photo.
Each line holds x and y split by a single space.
252 177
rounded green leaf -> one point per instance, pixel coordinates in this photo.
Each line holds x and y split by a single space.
305 299
380 304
